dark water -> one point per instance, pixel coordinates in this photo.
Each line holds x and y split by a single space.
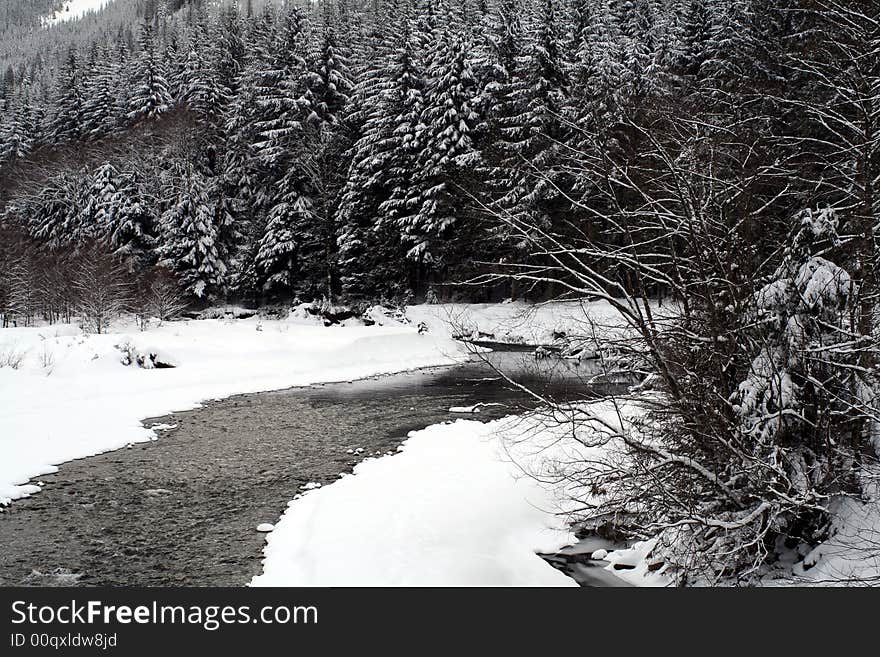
182 511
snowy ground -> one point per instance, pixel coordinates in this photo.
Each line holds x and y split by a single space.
455 505
452 508
470 504
462 504
852 555
70 395
445 511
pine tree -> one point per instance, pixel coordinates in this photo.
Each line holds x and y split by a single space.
62 214
201 88
276 259
193 232
69 106
536 132
282 106
150 97
231 55
281 89
321 160
101 104
123 215
18 133
445 145
497 71
389 101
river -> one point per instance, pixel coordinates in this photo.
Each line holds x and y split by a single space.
182 510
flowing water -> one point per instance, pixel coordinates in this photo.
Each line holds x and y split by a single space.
182 510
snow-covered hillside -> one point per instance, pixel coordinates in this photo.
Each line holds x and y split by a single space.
75 9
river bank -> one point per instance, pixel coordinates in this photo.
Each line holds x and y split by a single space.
183 510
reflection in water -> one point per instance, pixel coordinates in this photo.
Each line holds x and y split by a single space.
492 378
416 399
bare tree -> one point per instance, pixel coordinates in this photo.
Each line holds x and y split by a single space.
102 288
756 363
840 154
164 296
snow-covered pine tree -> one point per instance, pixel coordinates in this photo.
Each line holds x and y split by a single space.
174 51
389 99
232 53
694 33
62 213
247 181
281 90
729 48
123 215
276 261
19 131
101 103
193 244
445 146
201 88
321 159
69 104
537 132
588 43
282 106
150 97
643 46
497 70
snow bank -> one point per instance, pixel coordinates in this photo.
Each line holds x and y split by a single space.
461 504
72 397
450 509
516 322
852 555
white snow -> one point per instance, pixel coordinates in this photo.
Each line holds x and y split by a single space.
448 510
516 322
852 555
265 527
461 504
88 402
637 569
73 10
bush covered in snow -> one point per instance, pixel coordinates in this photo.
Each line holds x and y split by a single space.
145 357
758 407
743 454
